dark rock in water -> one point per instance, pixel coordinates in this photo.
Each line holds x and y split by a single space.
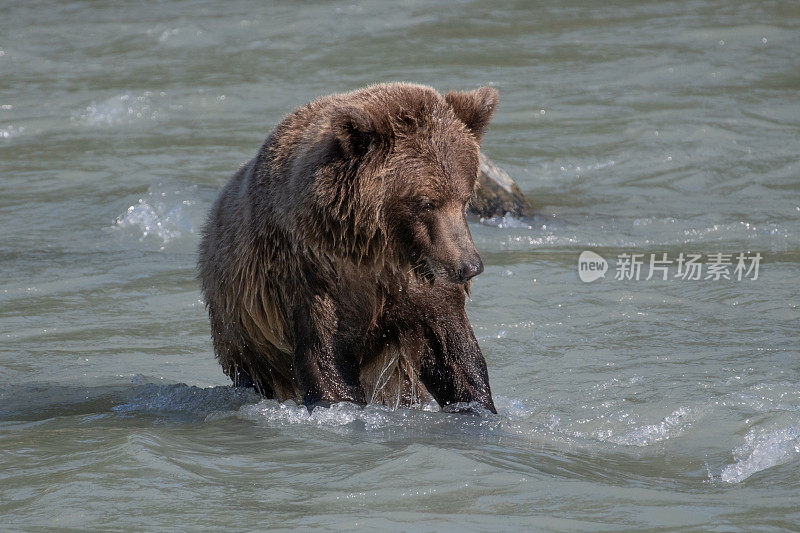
497 193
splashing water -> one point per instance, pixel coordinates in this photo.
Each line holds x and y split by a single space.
762 449
506 221
126 109
163 214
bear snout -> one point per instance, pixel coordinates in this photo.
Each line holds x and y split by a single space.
469 269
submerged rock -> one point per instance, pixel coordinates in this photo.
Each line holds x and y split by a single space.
497 193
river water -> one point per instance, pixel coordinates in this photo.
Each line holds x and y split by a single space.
634 128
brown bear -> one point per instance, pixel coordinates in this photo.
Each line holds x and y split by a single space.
335 263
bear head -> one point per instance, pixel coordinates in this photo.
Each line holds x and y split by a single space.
416 156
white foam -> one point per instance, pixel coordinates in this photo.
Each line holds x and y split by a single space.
506 221
762 449
125 109
670 426
10 131
373 416
164 214
290 413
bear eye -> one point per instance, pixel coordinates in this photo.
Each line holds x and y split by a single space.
426 204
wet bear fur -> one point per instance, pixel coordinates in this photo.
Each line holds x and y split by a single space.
334 264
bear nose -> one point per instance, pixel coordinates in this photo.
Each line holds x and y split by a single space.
471 269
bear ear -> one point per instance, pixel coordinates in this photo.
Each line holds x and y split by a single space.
355 130
474 108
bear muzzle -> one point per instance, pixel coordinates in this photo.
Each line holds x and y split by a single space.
469 269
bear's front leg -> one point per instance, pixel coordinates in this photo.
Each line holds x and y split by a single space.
326 358
452 366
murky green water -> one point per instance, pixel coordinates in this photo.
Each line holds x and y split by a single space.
672 127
